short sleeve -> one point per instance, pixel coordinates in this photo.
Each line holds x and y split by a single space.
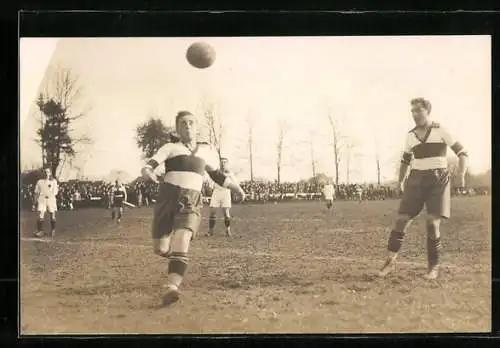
407 143
452 142
160 156
447 137
211 159
407 150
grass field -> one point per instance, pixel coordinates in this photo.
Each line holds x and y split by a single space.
290 267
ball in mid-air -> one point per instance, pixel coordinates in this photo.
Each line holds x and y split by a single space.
200 55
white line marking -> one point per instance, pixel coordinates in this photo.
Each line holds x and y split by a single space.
367 261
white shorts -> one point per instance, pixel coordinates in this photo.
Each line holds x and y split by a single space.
329 198
46 204
221 199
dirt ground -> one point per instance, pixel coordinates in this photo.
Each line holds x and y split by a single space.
289 268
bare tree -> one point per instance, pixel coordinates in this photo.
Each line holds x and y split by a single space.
282 131
337 143
251 124
214 126
377 160
312 135
349 146
59 110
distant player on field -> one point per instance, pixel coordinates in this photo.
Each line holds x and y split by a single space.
118 199
428 183
359 192
46 190
221 199
177 212
329 194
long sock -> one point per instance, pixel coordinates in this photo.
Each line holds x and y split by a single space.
52 224
433 251
227 221
395 241
113 214
119 214
211 222
39 225
177 267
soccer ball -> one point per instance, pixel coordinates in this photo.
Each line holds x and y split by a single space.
200 55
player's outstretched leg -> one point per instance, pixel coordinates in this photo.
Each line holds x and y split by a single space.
395 242
433 246
227 221
177 265
211 221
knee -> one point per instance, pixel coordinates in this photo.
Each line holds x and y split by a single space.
432 224
161 249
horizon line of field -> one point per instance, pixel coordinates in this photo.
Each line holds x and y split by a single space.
237 252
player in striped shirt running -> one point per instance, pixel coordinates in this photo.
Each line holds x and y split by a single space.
177 212
427 184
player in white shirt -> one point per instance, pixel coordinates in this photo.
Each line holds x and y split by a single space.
46 190
221 199
329 194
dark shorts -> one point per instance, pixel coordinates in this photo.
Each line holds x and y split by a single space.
176 208
427 187
118 204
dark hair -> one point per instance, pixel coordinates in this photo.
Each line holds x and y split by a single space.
181 114
422 102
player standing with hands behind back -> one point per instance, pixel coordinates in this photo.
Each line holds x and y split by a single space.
177 212
428 183
46 190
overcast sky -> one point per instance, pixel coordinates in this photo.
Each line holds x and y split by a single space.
365 82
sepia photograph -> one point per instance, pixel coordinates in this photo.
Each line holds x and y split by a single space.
243 185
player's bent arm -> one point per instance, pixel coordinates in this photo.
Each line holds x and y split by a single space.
148 174
225 181
153 162
405 164
463 161
458 149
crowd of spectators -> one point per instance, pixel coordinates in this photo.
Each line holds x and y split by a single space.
80 194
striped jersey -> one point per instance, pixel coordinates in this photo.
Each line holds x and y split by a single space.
429 152
119 193
218 188
183 167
